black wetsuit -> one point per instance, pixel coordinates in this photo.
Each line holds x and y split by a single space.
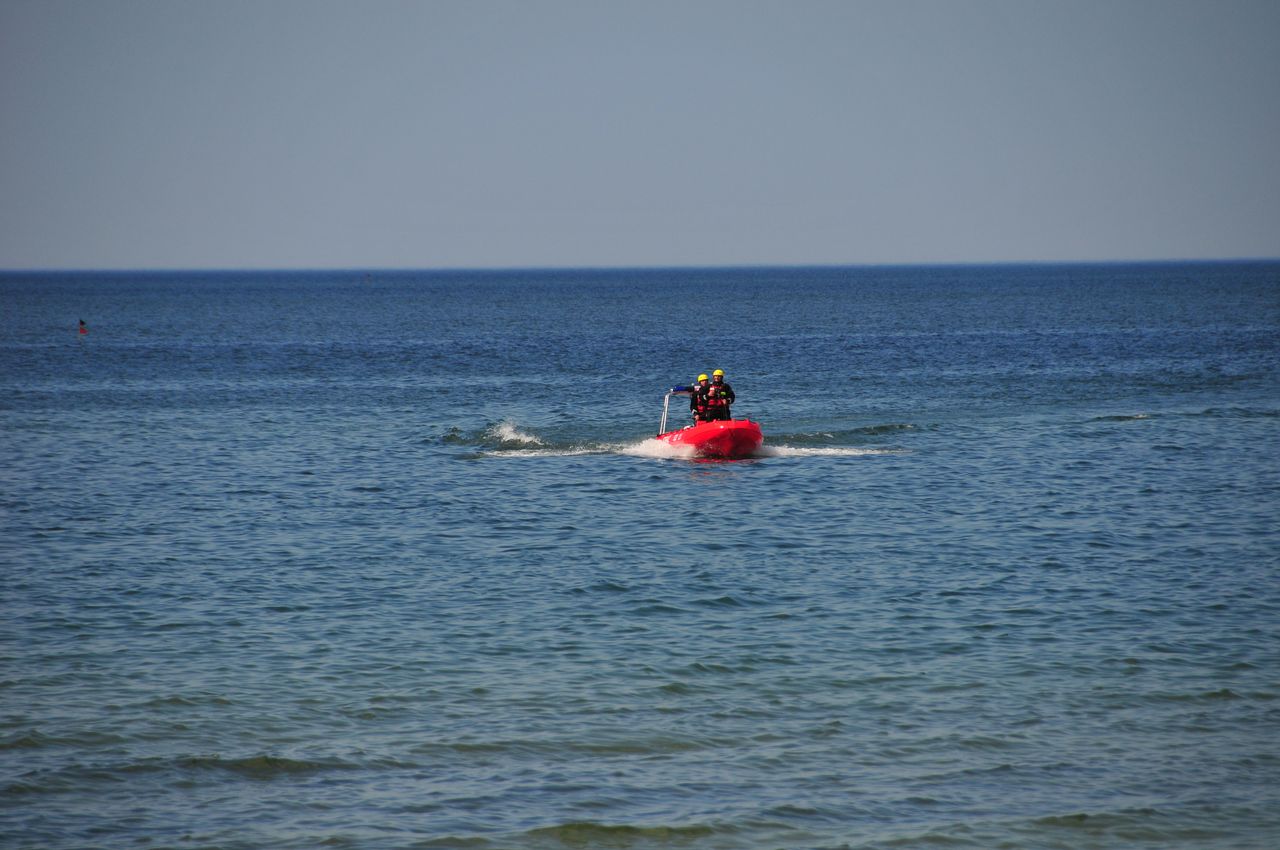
698 402
719 396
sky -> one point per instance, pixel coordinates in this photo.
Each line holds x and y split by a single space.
181 134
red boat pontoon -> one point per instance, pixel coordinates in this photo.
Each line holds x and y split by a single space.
728 438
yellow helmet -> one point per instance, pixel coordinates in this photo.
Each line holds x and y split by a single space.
702 377
718 373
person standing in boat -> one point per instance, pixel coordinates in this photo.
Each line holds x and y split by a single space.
719 397
698 399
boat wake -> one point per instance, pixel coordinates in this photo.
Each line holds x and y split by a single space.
547 452
659 449
507 434
824 451
656 448
508 439
505 439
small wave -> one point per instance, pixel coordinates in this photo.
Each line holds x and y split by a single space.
592 834
1204 696
888 428
507 440
35 739
503 435
264 766
508 433
725 601
842 435
1210 412
454 437
643 745
1239 413
1096 821
259 767
1143 826
180 701
602 587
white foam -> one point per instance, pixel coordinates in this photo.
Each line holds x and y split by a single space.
657 448
577 450
820 451
660 449
507 432
525 445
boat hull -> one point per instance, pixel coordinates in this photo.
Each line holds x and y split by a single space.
730 438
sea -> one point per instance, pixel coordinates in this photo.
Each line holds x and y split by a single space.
391 559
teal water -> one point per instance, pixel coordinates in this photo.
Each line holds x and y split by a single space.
386 560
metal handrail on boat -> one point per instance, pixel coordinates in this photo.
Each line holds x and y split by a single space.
666 401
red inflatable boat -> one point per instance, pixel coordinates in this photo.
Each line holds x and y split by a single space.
729 438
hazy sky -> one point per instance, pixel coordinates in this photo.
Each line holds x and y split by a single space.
428 134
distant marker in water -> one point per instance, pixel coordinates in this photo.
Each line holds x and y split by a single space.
84 329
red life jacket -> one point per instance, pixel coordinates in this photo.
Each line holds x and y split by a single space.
714 397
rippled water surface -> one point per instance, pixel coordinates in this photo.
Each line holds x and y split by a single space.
387 560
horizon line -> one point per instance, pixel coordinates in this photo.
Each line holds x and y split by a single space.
592 267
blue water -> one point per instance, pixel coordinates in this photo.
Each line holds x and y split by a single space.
387 560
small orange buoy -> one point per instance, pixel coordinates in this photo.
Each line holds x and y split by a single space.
84 329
